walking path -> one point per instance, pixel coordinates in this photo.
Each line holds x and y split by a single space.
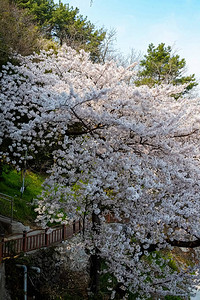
14 226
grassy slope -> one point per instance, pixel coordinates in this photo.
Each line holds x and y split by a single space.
11 183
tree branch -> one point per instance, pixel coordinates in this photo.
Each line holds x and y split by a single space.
186 134
184 244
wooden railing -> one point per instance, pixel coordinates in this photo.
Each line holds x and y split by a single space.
45 238
30 241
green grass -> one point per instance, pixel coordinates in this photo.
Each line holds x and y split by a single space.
11 183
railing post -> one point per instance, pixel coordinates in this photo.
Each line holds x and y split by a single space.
1 247
46 238
64 232
12 209
108 218
24 241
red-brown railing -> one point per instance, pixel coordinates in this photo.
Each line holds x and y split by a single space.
29 241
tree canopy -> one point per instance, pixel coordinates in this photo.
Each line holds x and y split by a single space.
160 65
18 32
65 25
41 9
132 152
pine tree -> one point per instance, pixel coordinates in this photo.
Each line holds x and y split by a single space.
160 65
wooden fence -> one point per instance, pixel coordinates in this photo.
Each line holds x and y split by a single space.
45 238
30 241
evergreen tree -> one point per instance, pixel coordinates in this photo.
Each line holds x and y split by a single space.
160 65
40 9
75 30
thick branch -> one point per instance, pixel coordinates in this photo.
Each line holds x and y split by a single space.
184 244
84 124
174 243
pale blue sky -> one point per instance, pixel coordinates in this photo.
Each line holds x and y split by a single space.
140 22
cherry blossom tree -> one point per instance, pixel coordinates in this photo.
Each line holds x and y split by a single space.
115 149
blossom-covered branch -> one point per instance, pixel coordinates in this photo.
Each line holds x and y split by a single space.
111 147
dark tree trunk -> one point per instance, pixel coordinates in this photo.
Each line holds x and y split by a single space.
95 261
95 267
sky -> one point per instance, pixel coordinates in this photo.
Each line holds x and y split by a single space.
141 22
